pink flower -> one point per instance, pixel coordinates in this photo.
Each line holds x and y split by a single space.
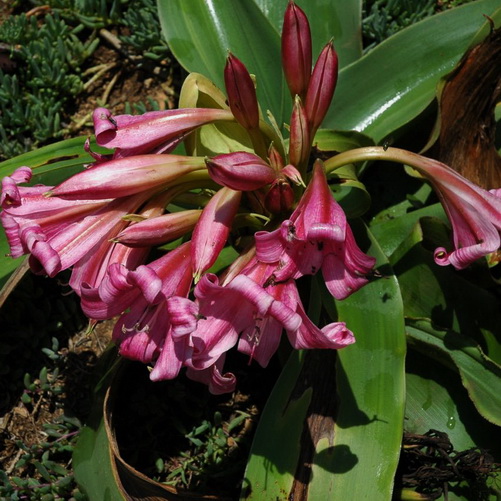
58 233
316 236
152 132
212 229
475 214
250 309
223 312
126 176
144 332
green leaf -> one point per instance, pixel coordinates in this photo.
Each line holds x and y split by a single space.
479 375
436 400
443 295
92 456
343 417
371 390
200 35
396 81
275 449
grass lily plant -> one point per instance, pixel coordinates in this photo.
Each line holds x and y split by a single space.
145 226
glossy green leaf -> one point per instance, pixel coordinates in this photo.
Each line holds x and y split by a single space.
436 400
92 457
371 389
338 19
355 455
397 80
273 456
53 163
443 295
201 33
479 375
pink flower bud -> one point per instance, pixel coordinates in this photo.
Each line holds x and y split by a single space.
322 85
159 230
275 159
212 230
280 197
299 144
296 50
240 171
241 93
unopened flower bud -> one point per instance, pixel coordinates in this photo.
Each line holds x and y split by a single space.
300 143
296 50
241 93
280 197
321 87
240 171
275 159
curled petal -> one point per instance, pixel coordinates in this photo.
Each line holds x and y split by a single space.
10 192
218 383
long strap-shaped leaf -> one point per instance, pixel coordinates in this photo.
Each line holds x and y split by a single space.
396 81
200 34
332 429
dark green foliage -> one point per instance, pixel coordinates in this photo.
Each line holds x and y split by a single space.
46 57
383 18
145 37
47 61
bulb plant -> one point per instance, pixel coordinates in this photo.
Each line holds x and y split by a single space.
239 184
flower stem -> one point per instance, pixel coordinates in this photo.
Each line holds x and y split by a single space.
378 153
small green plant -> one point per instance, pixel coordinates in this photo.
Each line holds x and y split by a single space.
48 59
210 455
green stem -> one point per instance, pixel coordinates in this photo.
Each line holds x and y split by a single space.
378 153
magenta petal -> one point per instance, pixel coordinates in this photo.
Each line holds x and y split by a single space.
170 360
10 192
218 383
144 133
212 229
183 315
126 176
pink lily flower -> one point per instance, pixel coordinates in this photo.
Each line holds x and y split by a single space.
59 233
152 132
126 176
144 333
223 312
250 309
212 229
261 340
317 236
474 213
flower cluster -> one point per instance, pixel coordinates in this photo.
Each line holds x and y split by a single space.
173 312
